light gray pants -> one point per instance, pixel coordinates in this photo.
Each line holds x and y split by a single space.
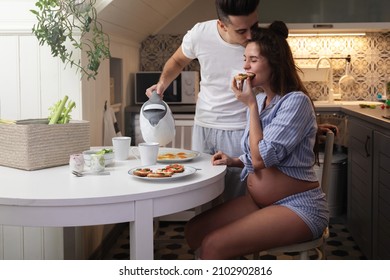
210 141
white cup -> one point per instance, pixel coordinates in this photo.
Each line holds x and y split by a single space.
121 147
76 162
146 152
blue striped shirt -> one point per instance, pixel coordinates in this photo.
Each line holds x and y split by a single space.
289 132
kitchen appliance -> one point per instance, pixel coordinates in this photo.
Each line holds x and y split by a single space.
183 90
347 80
156 121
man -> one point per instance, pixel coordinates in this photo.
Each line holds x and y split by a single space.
219 46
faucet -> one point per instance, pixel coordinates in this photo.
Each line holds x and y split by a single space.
330 77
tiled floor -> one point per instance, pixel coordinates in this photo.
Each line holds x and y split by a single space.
171 244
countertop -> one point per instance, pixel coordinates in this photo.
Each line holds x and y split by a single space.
352 108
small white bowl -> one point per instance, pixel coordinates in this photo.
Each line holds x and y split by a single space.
108 157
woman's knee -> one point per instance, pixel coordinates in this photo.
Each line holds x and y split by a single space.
212 247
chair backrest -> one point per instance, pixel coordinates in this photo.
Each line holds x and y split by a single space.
327 164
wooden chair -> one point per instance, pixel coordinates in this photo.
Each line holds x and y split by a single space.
316 245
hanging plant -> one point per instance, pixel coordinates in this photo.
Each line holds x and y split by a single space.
60 22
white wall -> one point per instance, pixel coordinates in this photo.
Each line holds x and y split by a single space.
32 80
95 93
128 51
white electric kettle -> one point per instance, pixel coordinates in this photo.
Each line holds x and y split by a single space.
156 121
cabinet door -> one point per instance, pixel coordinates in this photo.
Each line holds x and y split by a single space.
360 184
381 197
309 11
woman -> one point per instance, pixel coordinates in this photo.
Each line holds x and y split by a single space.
284 202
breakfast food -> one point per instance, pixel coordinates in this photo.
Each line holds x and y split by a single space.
244 76
176 168
142 172
173 156
166 171
159 174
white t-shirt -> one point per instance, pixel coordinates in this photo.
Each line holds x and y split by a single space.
217 106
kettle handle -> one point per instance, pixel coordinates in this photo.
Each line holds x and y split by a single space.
155 97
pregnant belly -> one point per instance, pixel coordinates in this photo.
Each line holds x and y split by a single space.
269 185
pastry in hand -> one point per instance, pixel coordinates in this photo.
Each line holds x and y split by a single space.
244 76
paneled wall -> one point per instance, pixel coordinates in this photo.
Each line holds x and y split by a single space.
31 243
370 59
32 81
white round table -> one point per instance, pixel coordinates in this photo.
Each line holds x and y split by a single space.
54 197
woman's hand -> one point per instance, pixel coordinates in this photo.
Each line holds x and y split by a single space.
220 158
244 94
325 127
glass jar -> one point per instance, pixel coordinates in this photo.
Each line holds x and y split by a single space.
97 163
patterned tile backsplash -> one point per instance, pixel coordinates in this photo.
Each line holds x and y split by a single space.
370 60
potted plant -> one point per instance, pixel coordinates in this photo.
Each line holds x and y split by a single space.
72 22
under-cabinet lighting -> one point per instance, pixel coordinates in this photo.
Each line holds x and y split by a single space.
326 34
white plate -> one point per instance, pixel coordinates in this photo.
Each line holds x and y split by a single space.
189 155
188 170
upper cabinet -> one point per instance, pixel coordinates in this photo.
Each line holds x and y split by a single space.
328 15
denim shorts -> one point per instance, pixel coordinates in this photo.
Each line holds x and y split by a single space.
311 206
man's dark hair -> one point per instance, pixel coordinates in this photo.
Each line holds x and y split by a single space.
226 8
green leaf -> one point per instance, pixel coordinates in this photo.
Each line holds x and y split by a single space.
58 20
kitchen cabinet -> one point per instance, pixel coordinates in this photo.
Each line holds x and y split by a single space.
360 195
327 14
369 188
381 199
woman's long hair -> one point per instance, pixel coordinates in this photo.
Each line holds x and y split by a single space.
284 73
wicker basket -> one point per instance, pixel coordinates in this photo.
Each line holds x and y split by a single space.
38 146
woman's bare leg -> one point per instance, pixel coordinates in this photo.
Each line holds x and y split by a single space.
201 225
259 230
